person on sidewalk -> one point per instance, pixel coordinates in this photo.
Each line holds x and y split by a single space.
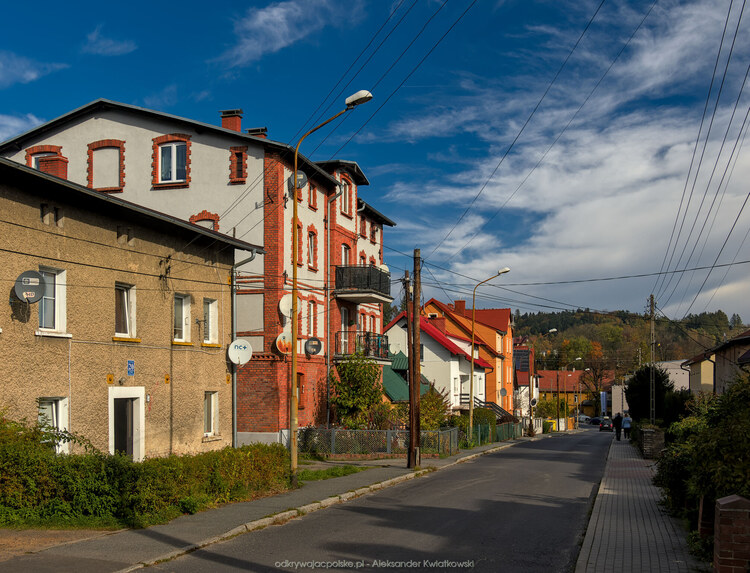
617 423
627 421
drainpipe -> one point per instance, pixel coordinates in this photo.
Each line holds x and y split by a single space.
234 335
328 303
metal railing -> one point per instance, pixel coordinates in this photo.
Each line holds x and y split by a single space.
363 278
371 344
338 441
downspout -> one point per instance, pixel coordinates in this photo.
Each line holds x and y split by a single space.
234 336
328 303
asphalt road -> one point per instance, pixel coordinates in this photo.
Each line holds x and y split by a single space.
521 509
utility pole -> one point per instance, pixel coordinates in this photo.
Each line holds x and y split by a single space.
557 401
652 384
415 364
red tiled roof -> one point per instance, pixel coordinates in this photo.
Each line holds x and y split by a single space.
458 318
439 336
522 378
568 379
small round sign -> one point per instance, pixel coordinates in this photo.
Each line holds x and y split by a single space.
313 346
240 352
30 286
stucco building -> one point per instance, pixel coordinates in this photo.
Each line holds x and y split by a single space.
125 345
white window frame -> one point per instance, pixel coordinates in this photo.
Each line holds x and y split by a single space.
59 421
129 293
58 298
184 319
210 413
172 146
346 252
210 321
346 197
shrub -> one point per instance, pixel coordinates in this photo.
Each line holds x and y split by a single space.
38 487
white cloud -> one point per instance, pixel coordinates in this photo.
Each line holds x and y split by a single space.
279 25
97 44
13 125
167 97
16 69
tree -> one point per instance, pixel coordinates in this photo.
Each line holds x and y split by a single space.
638 392
735 321
596 368
357 390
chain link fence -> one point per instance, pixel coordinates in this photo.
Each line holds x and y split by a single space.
338 441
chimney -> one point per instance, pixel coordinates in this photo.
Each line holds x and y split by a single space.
56 165
258 132
460 306
439 323
231 119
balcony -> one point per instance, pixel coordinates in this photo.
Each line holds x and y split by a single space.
362 284
372 345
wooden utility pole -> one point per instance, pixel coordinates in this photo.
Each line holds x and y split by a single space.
652 384
416 379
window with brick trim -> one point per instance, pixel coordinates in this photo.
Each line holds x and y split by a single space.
106 165
312 317
312 197
362 260
345 251
33 154
346 197
312 248
373 233
171 161
237 165
206 220
362 227
299 244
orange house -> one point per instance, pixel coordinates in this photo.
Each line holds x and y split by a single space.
493 338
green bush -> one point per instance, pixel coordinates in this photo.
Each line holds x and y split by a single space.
39 487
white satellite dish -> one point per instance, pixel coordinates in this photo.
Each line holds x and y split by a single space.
240 352
285 305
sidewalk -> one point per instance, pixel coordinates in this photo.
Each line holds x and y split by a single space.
628 529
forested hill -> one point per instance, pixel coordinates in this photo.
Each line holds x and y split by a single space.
622 337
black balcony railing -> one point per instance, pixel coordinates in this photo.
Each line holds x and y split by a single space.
370 344
363 278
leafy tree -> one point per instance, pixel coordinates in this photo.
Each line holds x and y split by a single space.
434 410
357 390
735 321
638 392
547 408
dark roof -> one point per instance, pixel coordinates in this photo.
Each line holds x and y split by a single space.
17 143
395 386
34 181
351 167
742 338
373 213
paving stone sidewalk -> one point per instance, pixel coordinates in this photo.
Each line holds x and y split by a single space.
628 529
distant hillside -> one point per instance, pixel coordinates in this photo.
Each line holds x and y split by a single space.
620 339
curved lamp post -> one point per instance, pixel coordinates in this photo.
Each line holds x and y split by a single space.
473 317
351 102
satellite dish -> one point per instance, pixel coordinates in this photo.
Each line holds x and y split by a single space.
30 286
503 392
284 343
285 305
239 352
385 268
533 401
301 179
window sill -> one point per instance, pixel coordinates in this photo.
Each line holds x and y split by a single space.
311 268
181 343
347 215
175 185
52 334
210 345
212 438
237 181
109 189
313 207
125 339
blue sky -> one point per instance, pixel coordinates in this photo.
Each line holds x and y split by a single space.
500 134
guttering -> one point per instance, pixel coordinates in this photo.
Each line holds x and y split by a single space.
234 335
328 302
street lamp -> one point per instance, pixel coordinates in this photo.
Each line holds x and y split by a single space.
578 397
351 102
473 317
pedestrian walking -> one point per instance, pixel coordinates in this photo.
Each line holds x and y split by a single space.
617 423
627 422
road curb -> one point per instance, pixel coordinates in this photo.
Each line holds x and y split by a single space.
283 517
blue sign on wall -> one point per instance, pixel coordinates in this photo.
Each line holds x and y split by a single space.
131 367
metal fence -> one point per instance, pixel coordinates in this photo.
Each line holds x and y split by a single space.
337 441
